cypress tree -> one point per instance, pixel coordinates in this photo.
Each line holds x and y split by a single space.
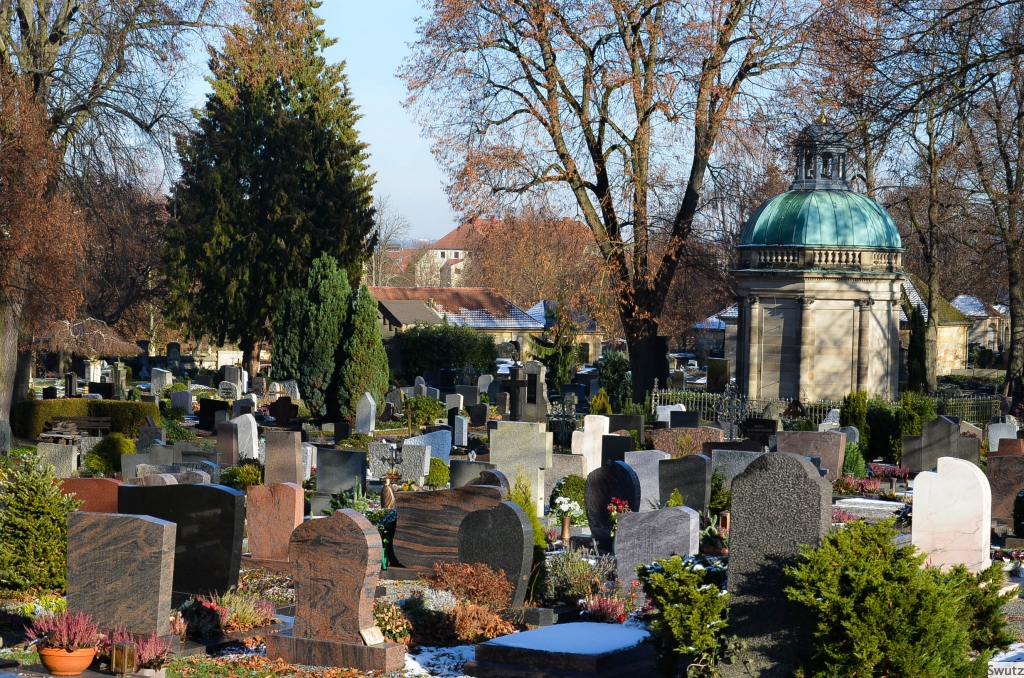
362 362
323 318
288 335
917 377
273 176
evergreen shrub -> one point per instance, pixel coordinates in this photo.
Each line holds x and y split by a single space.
126 417
600 404
105 456
521 494
439 475
878 612
854 465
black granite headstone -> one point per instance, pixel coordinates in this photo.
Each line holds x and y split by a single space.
105 389
684 419
614 448
208 407
283 410
691 475
50 393
208 536
759 429
616 480
462 471
478 414
337 471
626 422
502 538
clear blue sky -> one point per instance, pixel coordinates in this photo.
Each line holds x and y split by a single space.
372 40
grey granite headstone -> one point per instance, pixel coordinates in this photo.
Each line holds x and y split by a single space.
308 460
646 464
248 403
691 475
462 472
830 421
502 538
779 504
461 431
164 454
283 459
616 480
63 458
439 442
5 438
415 462
470 395
182 399
366 413
642 538
291 389
337 471
997 432
493 389
380 455
523 447
159 380
731 463
852 434
563 465
149 434
209 468
143 470
130 461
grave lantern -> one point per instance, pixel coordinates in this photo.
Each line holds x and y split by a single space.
124 658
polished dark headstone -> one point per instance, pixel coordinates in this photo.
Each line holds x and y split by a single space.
207 408
337 471
462 472
120 569
427 528
614 448
283 410
478 414
502 538
209 519
684 419
492 478
691 475
616 480
626 422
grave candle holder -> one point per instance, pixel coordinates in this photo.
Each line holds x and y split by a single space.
124 658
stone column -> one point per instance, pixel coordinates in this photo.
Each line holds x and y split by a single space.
754 348
805 383
894 349
863 343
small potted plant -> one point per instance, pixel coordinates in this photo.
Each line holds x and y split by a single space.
567 509
714 539
153 653
66 642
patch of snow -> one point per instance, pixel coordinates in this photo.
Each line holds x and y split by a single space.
438 662
1014 653
587 638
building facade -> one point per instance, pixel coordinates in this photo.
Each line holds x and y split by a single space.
819 284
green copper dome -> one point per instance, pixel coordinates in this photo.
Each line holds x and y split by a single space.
821 218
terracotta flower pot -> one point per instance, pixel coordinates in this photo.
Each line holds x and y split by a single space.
66 663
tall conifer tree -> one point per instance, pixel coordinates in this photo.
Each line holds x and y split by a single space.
362 362
273 177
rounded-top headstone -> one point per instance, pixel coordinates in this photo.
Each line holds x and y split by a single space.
616 480
492 478
502 538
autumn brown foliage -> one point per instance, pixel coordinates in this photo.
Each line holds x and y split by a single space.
477 583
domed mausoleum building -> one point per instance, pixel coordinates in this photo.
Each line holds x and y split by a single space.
819 284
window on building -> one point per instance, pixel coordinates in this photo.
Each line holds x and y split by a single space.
443 256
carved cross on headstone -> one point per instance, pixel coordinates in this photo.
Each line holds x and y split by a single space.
514 385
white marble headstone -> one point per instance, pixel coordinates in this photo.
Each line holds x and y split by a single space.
665 411
953 515
453 401
588 442
366 413
248 437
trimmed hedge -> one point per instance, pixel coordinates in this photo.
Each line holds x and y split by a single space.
126 417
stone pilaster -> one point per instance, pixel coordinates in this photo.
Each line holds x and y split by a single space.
806 381
864 343
754 347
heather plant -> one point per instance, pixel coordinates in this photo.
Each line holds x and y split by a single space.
879 611
65 631
33 528
152 650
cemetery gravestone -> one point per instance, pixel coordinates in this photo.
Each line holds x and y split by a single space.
70 385
159 380
614 480
120 569
366 414
453 401
229 391
462 472
335 563
614 448
731 463
149 435
627 422
691 475
283 410
953 515
647 464
779 503
523 447
503 403
439 442
939 438
98 495
563 465
427 528
852 434
534 398
207 408
227 443
5 438
182 399
248 436
665 412
589 442
680 442
283 463
502 538
380 455
308 460
246 405
641 538
759 429
830 421
684 419
291 389
337 471
829 446
209 523
130 461
1005 473
461 431
63 458
273 511
478 414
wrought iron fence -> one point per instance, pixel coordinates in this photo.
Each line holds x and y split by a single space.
977 410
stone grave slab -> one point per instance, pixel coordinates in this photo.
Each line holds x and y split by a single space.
627 422
1005 475
273 511
308 460
492 478
731 463
614 480
1008 447
665 412
182 399
366 413
646 464
98 494
130 461
159 380
523 447
534 407
337 471
691 475
680 442
248 436
575 650
283 410
283 460
953 515
246 405
684 419
335 563
779 503
478 414
207 409
760 429
439 442
642 538
208 538
227 443
208 467
461 431
63 458
462 472
290 387
453 401
120 570
563 465
830 421
852 434
502 538
997 432
614 448
829 446
470 395
427 528
588 443
380 455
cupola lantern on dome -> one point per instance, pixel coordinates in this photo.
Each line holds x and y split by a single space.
820 158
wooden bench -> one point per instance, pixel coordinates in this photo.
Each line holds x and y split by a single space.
67 425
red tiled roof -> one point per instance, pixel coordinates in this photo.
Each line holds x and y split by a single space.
462 237
477 307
